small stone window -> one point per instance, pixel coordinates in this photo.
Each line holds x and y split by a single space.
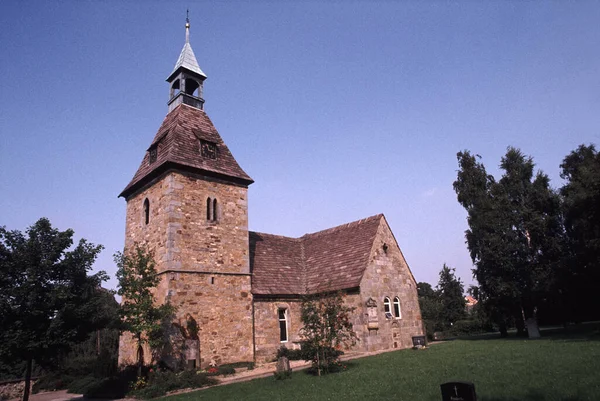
283 324
212 209
397 310
146 211
387 308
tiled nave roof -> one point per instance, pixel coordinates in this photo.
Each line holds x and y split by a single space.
327 260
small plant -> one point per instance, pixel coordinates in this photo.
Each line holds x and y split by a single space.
283 375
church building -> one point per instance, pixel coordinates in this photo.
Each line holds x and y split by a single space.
188 203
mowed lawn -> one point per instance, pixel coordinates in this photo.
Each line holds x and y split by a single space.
558 367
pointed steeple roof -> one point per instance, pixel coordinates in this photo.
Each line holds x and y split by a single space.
176 146
187 58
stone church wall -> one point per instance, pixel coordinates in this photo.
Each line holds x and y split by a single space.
388 275
204 263
266 323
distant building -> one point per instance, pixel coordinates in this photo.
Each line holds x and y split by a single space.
470 303
188 203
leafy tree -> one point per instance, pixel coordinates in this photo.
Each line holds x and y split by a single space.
47 299
326 329
431 308
581 200
140 313
515 235
451 298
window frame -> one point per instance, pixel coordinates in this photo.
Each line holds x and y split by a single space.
283 320
387 307
397 308
146 212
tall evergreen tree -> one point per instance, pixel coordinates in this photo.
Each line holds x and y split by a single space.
47 299
450 292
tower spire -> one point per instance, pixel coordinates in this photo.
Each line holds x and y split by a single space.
187 78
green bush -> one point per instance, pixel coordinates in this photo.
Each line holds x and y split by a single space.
160 383
291 354
52 382
467 327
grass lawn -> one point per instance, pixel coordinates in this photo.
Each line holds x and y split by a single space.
561 366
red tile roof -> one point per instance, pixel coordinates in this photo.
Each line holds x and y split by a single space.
178 146
328 260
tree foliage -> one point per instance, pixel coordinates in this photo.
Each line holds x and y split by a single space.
140 314
326 329
515 234
450 292
581 205
443 306
48 301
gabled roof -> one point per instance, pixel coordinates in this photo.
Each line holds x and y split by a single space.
329 260
178 146
187 60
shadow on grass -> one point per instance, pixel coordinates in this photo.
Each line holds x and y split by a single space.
580 332
532 395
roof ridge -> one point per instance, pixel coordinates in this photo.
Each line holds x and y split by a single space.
343 226
274 235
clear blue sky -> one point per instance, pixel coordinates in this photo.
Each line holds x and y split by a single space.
338 110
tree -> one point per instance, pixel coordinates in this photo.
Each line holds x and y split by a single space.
515 235
451 298
326 329
431 308
47 299
140 314
581 197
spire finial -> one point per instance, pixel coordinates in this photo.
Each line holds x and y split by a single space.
187 26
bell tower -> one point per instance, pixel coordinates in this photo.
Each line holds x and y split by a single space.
187 79
188 204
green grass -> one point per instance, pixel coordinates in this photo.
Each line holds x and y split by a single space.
559 367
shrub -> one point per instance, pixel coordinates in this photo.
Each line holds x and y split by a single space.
283 375
161 382
52 382
291 354
467 327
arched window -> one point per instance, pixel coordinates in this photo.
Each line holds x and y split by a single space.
387 307
146 211
214 210
283 329
397 311
175 88
191 87
208 208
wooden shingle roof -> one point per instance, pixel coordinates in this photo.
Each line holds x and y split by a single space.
177 145
329 260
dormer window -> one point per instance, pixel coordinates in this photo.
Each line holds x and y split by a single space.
153 153
208 149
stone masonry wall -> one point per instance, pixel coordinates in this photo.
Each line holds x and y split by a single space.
388 275
266 323
198 256
221 304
